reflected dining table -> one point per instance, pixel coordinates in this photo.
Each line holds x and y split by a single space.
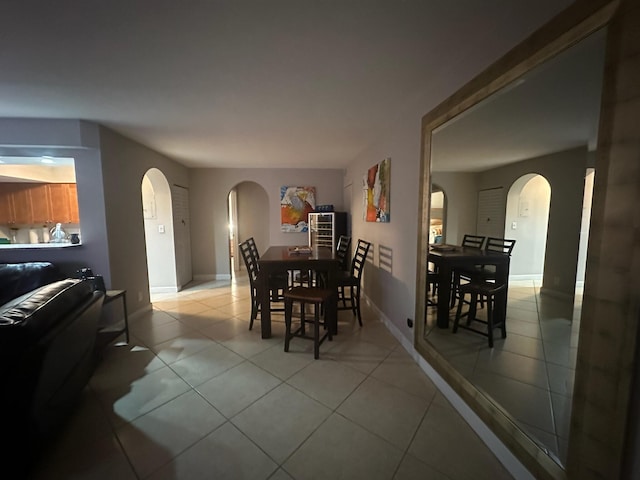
284 258
448 257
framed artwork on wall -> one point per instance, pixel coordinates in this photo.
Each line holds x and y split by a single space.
376 192
295 205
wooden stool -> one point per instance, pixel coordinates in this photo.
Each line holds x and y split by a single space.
304 295
479 291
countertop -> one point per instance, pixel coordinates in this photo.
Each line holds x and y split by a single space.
37 245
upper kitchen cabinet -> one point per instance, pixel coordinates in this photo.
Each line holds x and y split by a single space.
34 203
63 202
35 191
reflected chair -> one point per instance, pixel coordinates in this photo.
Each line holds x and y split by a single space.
468 241
479 290
352 280
277 284
485 273
306 295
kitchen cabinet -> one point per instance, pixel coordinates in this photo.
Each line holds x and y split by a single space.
7 212
325 229
40 211
63 203
38 203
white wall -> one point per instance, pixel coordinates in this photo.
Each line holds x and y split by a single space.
160 249
252 222
124 163
461 195
209 189
526 223
65 138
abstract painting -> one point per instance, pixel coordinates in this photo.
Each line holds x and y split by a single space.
375 186
295 205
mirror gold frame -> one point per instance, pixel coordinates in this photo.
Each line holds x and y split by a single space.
565 30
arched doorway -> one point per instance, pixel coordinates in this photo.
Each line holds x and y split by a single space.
158 231
526 221
247 204
437 215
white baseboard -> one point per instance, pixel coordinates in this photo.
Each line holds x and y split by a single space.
169 289
211 276
502 453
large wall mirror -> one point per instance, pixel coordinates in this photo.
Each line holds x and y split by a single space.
524 135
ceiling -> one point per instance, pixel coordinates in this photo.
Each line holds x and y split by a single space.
552 108
250 83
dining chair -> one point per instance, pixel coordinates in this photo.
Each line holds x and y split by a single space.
277 284
484 273
342 251
480 291
306 295
468 241
352 279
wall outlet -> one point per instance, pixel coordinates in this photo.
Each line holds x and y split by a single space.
409 323
160 228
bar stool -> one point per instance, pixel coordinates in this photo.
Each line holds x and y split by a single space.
305 295
479 291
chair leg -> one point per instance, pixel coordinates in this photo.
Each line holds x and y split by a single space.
357 303
316 332
288 310
458 314
490 322
303 308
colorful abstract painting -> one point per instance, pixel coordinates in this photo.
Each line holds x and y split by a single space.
375 185
295 205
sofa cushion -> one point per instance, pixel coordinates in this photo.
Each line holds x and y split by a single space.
19 278
31 316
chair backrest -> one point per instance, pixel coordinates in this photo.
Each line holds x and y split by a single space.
475 241
501 245
342 250
254 248
359 257
250 261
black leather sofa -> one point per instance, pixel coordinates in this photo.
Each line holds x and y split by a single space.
47 338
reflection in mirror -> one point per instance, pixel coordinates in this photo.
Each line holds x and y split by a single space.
436 216
37 193
533 144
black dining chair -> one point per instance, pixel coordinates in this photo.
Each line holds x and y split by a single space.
480 291
484 273
277 284
342 251
468 241
306 296
351 281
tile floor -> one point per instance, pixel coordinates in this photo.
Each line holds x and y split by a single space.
196 395
530 373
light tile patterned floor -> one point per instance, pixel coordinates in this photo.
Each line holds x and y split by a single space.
530 373
196 395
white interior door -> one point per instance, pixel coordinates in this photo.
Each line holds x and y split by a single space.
490 219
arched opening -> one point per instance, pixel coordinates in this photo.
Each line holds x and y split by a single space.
527 218
437 215
247 204
159 232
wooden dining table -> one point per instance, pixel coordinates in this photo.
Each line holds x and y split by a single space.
284 258
448 257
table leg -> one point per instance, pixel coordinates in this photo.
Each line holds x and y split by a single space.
332 304
500 308
265 304
444 295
